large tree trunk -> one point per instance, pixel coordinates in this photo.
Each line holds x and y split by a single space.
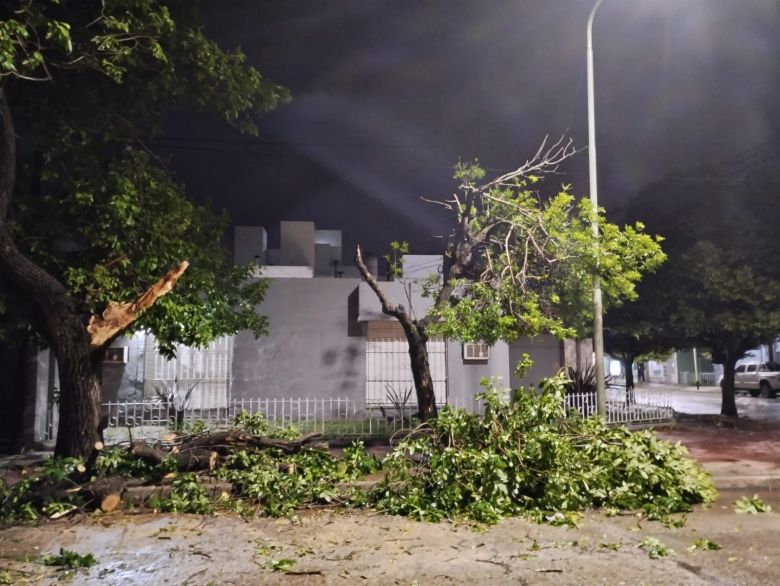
415 338
65 325
67 334
421 369
728 405
80 393
76 337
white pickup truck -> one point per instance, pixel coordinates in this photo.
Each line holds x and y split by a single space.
758 378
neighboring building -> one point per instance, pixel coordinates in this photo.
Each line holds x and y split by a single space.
328 339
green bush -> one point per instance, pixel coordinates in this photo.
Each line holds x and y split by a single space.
279 482
528 457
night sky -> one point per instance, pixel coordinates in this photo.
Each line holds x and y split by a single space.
388 94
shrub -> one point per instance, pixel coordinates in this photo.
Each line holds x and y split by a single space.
529 458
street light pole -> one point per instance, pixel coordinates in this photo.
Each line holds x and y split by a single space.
598 318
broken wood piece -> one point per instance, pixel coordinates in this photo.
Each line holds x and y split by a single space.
110 502
118 316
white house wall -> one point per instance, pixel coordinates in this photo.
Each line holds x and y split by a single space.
464 377
125 381
547 354
314 347
406 294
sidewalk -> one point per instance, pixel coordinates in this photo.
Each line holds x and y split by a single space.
741 453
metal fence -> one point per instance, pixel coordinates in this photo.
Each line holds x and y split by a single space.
637 406
333 417
343 417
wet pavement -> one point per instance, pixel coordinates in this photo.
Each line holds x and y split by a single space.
707 400
329 546
363 547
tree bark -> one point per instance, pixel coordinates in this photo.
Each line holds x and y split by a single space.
416 338
64 322
421 370
728 405
65 325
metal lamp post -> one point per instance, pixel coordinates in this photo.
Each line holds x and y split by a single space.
598 319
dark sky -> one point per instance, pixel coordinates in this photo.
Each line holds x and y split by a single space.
388 94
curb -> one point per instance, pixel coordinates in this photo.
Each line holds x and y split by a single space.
745 482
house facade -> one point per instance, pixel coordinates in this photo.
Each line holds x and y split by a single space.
328 339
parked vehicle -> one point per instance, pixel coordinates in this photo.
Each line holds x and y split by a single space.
758 378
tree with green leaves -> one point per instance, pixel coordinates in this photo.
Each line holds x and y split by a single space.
723 303
94 230
639 329
720 289
518 265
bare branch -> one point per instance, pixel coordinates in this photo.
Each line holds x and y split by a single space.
388 308
544 162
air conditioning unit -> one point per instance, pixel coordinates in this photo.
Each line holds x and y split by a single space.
116 355
476 352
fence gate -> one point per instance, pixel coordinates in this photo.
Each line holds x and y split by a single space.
388 372
207 371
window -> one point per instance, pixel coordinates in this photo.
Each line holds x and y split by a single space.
476 352
751 368
739 369
116 355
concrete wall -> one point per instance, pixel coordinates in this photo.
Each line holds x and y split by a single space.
297 244
585 353
315 346
547 353
327 251
249 244
43 381
464 377
371 309
125 382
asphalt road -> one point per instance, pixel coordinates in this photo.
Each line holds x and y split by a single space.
707 401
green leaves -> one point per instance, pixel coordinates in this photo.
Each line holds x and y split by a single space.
751 505
92 205
529 458
655 548
523 264
70 560
59 33
188 495
704 544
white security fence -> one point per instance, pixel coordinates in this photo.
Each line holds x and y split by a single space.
343 417
333 417
626 407
389 377
202 374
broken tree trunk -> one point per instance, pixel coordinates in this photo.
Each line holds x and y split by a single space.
202 452
237 438
106 492
118 316
188 459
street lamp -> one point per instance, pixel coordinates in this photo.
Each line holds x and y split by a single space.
598 312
